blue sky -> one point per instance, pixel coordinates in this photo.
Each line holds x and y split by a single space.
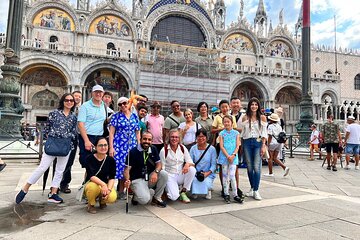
322 17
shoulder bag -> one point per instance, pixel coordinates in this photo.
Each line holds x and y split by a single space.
200 174
80 192
59 147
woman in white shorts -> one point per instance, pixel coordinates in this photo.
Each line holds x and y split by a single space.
274 147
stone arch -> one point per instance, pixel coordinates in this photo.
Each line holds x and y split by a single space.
180 10
333 96
247 88
39 6
289 94
48 60
243 32
271 43
116 13
45 99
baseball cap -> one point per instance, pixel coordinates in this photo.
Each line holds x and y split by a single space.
122 99
97 88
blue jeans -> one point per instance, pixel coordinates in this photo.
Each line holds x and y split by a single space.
251 148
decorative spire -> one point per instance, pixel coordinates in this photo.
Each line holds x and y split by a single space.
261 10
299 23
270 27
241 13
281 17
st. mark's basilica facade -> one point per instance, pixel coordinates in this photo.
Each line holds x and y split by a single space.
177 49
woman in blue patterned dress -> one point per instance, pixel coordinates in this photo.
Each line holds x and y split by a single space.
124 134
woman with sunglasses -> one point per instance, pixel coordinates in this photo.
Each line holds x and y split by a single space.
124 134
100 175
61 124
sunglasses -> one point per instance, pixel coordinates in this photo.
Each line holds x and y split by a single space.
102 145
123 103
69 100
175 106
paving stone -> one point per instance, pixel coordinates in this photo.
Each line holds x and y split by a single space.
308 232
330 207
340 227
280 217
92 233
231 226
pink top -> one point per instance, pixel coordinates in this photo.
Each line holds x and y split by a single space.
155 126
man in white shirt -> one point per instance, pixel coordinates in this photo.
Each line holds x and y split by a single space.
176 161
352 142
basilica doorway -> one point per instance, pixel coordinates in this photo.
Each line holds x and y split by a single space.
247 90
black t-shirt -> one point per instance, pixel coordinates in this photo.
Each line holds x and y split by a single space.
137 163
107 172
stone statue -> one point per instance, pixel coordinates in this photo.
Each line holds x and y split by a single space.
281 17
138 5
139 29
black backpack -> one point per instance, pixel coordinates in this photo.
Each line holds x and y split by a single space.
281 137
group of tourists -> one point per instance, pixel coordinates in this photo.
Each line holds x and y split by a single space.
158 159
331 138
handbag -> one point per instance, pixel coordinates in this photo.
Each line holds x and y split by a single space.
80 192
59 147
200 174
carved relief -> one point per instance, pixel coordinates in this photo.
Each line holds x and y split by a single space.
43 76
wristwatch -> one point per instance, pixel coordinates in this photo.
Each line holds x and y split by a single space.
157 171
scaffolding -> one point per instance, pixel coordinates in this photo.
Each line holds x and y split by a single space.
188 74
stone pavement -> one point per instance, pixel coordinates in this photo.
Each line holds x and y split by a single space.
310 203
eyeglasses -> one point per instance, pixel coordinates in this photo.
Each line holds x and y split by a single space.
69 100
175 106
123 103
102 145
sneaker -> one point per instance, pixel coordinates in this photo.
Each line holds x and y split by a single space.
133 201
347 167
257 195
184 198
158 202
208 195
357 167
269 175
334 168
122 196
194 196
250 193
54 198
91 209
20 196
227 199
287 170
238 199
2 166
328 167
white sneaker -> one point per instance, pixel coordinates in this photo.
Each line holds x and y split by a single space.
208 196
269 175
257 195
250 193
347 167
287 169
194 196
357 167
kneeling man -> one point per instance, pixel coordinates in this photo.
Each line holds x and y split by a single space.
178 164
144 173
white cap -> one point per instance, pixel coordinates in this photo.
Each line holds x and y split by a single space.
97 88
122 99
350 118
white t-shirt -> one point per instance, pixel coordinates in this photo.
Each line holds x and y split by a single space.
354 130
189 136
313 134
274 129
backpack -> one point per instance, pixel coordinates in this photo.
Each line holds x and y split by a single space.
281 137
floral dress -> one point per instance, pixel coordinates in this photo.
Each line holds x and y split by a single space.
124 139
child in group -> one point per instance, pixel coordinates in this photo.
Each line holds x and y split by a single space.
228 157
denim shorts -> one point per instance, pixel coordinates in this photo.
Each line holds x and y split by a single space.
352 149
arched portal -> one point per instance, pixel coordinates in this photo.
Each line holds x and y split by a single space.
45 100
289 98
247 90
110 79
